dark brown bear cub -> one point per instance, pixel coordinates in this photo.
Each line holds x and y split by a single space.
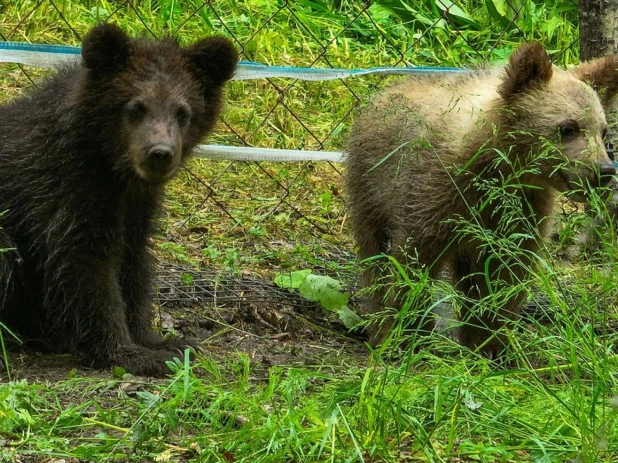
84 159
423 152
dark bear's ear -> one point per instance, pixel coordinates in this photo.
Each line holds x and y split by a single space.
528 67
602 75
106 48
216 57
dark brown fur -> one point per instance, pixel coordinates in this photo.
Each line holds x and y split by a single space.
84 159
433 126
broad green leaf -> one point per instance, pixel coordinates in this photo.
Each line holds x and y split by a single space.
291 280
349 318
499 6
502 11
455 11
147 398
325 290
378 13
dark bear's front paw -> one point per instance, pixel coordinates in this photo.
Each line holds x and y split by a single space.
141 361
147 338
153 340
179 345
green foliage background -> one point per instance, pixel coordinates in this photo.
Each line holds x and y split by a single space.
553 402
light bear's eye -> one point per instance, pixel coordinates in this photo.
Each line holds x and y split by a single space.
569 128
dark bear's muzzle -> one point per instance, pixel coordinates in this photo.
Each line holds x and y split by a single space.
160 159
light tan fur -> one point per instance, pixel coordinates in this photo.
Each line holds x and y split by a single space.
408 146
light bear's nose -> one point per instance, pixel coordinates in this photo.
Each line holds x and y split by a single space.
606 171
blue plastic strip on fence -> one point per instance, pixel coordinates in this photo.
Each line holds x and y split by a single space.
56 55
248 70
41 47
39 55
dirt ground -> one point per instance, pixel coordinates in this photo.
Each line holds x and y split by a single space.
271 332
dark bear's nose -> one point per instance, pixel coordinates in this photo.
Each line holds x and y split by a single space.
607 170
160 157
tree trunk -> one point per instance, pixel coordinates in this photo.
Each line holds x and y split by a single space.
598 36
598 33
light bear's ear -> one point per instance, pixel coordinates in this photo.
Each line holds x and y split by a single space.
602 75
528 67
214 58
106 48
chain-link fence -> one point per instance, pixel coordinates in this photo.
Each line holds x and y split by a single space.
265 217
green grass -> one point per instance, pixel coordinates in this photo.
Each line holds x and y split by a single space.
323 400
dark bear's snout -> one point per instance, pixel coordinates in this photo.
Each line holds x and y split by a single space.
159 161
155 148
160 158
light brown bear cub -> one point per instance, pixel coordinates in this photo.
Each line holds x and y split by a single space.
420 152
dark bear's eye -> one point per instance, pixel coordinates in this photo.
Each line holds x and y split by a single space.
569 128
183 115
136 110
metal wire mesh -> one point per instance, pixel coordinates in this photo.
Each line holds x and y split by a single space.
187 287
261 216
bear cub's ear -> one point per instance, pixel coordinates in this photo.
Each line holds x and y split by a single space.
528 67
602 75
215 57
106 48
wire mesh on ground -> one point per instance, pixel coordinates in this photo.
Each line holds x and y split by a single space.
184 286
262 217
187 287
